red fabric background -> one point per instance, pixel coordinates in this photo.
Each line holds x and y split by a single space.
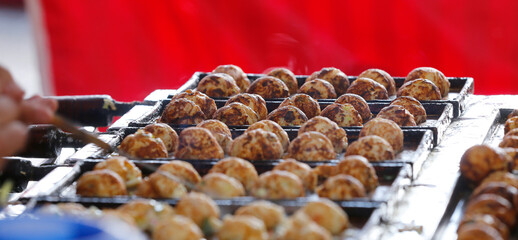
129 48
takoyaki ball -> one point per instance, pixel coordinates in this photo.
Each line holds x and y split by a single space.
493 205
334 76
219 130
341 187
302 170
481 160
511 124
236 73
420 89
382 78
514 113
275 128
327 214
176 227
278 184
218 85
101 183
206 104
253 101
509 142
301 226
288 116
502 177
219 185
318 89
345 115
360 168
198 144
304 102
129 173
433 75
146 213
325 171
269 87
237 168
286 76
146 190
512 156
256 145
513 132
358 103
311 146
413 106
485 219
182 111
143 144
165 185
330 129
386 129
478 231
502 189
166 133
198 207
184 170
372 147
271 214
242 227
398 114
236 114
368 89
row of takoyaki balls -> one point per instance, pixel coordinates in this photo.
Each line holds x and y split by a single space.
318 139
197 216
352 177
423 83
491 210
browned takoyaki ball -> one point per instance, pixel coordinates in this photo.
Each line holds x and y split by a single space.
237 168
256 145
183 170
278 184
126 169
146 213
509 142
311 146
360 168
288 116
219 185
398 114
182 111
511 124
206 104
236 114
269 87
242 227
253 101
368 89
334 76
271 214
382 78
513 132
330 129
502 189
198 143
358 103
198 207
372 147
219 130
318 89
420 89
487 220
163 185
166 133
433 75
327 214
302 170
286 76
413 106
481 160
176 228
275 128
512 156
478 231
218 85
345 115
502 177
494 205
143 144
300 226
386 129
236 73
145 189
304 102
101 183
341 187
